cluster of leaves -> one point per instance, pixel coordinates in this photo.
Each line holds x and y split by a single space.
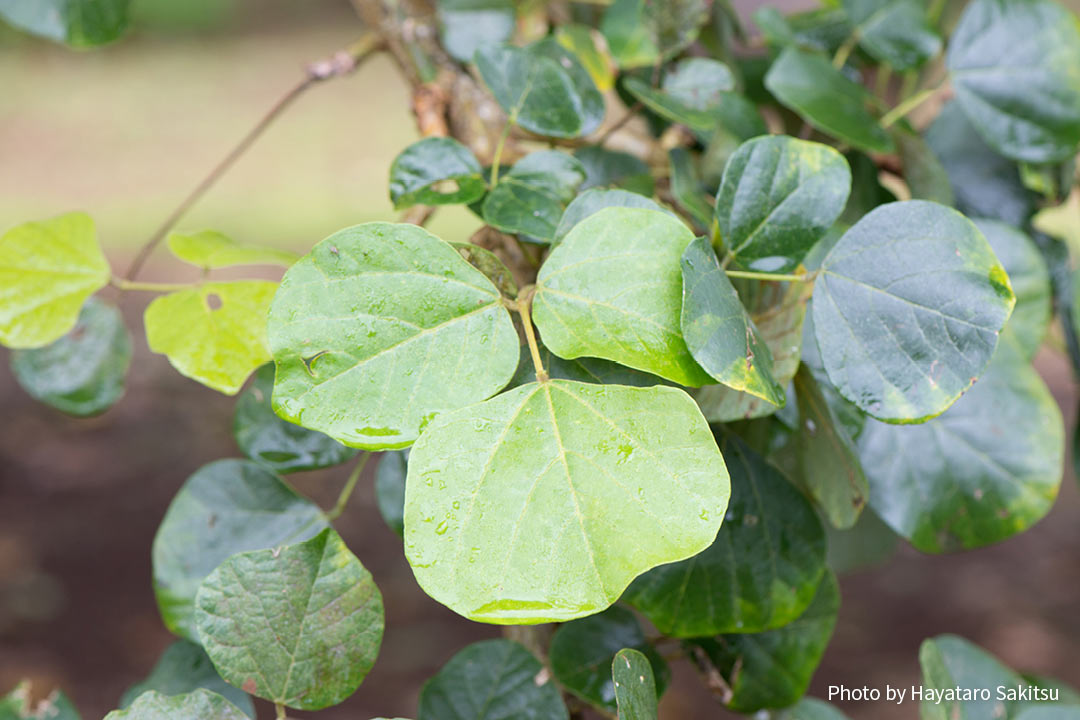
722 370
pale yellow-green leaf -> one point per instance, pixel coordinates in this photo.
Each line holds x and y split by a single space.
211 249
1062 221
47 271
215 333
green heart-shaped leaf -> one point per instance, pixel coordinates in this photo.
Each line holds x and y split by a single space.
83 372
612 289
531 197
1024 101
421 172
215 333
593 201
299 625
807 83
371 332
47 271
279 445
907 310
760 573
226 507
545 502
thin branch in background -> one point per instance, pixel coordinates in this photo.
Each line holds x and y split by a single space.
339 64
634 110
715 681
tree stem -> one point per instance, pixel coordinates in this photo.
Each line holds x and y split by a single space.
347 491
340 64
779 277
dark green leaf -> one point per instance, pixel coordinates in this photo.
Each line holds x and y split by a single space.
925 175
894 32
298 625
582 652
48 269
718 330
809 709
828 460
950 662
83 372
539 93
201 704
390 488
488 263
280 445
1024 102
691 93
78 23
491 680
985 184
531 197
644 32
686 188
183 667
612 289
226 507
867 192
436 171
1048 712
987 469
467 25
808 84
595 200
779 196
773 669
611 168
1030 281
583 369
907 310
592 105
371 329
635 687
501 502
760 573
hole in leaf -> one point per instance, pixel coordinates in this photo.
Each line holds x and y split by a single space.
309 362
446 187
213 301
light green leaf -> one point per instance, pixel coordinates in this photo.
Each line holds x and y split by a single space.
83 372
894 32
985 184
436 171
373 332
279 445
612 289
777 310
210 249
614 169
1030 280
588 47
16 705
907 310
1061 221
299 625
215 333
778 197
719 332
582 651
686 188
948 662
690 94
491 680
543 503
773 669
201 704
926 177
828 460
78 23
1024 101
987 469
226 507
592 201
807 83
635 687
390 488
47 271
182 668
643 32
1049 712
467 25
760 573
810 709
531 197
541 94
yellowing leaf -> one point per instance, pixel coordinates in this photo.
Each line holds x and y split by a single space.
211 249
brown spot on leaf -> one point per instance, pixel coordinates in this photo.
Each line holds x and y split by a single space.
249 686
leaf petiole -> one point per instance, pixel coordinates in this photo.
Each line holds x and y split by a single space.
347 491
907 106
497 157
778 277
522 305
122 284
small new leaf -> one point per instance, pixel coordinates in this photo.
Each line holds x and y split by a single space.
436 171
635 687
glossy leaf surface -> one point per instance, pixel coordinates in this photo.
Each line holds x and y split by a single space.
436 171
635 687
